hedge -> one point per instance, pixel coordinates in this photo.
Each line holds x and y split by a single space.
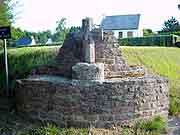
158 40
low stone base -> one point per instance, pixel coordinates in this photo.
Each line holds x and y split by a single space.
101 104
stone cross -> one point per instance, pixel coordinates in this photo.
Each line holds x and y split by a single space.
88 42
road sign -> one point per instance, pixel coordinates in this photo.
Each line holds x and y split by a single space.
5 32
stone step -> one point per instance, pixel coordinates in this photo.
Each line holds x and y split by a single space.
121 74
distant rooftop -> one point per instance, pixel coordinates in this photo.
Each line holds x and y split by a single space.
121 22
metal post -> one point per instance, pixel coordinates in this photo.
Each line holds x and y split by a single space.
6 67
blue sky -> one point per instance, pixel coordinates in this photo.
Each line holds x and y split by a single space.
38 15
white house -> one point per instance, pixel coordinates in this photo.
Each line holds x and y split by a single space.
123 26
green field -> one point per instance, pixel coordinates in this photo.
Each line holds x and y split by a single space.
157 60
161 61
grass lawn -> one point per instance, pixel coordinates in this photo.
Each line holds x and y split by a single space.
162 61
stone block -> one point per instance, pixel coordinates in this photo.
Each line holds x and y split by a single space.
77 124
91 117
89 51
85 71
106 117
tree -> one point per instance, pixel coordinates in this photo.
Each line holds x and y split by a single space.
61 25
61 31
7 18
148 32
6 15
42 37
17 33
75 29
171 25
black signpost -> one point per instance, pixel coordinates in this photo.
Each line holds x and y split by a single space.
5 33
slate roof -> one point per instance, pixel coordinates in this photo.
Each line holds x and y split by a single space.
121 22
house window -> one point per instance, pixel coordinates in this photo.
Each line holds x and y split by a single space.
130 34
120 34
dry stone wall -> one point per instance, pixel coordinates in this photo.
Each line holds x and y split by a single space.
80 103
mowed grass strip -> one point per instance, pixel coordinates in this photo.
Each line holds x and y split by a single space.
162 61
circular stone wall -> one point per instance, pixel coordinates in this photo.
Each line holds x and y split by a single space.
97 103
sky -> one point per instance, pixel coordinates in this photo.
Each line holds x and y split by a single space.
39 15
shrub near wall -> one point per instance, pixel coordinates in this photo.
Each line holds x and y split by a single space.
159 40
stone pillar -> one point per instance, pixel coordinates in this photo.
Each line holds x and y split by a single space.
88 42
90 52
87 25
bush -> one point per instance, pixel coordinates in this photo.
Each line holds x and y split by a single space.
169 33
51 129
158 123
128 131
174 106
159 40
47 130
155 125
1 43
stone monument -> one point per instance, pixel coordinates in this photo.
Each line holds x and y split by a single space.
91 85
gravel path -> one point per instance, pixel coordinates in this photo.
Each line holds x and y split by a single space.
174 125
